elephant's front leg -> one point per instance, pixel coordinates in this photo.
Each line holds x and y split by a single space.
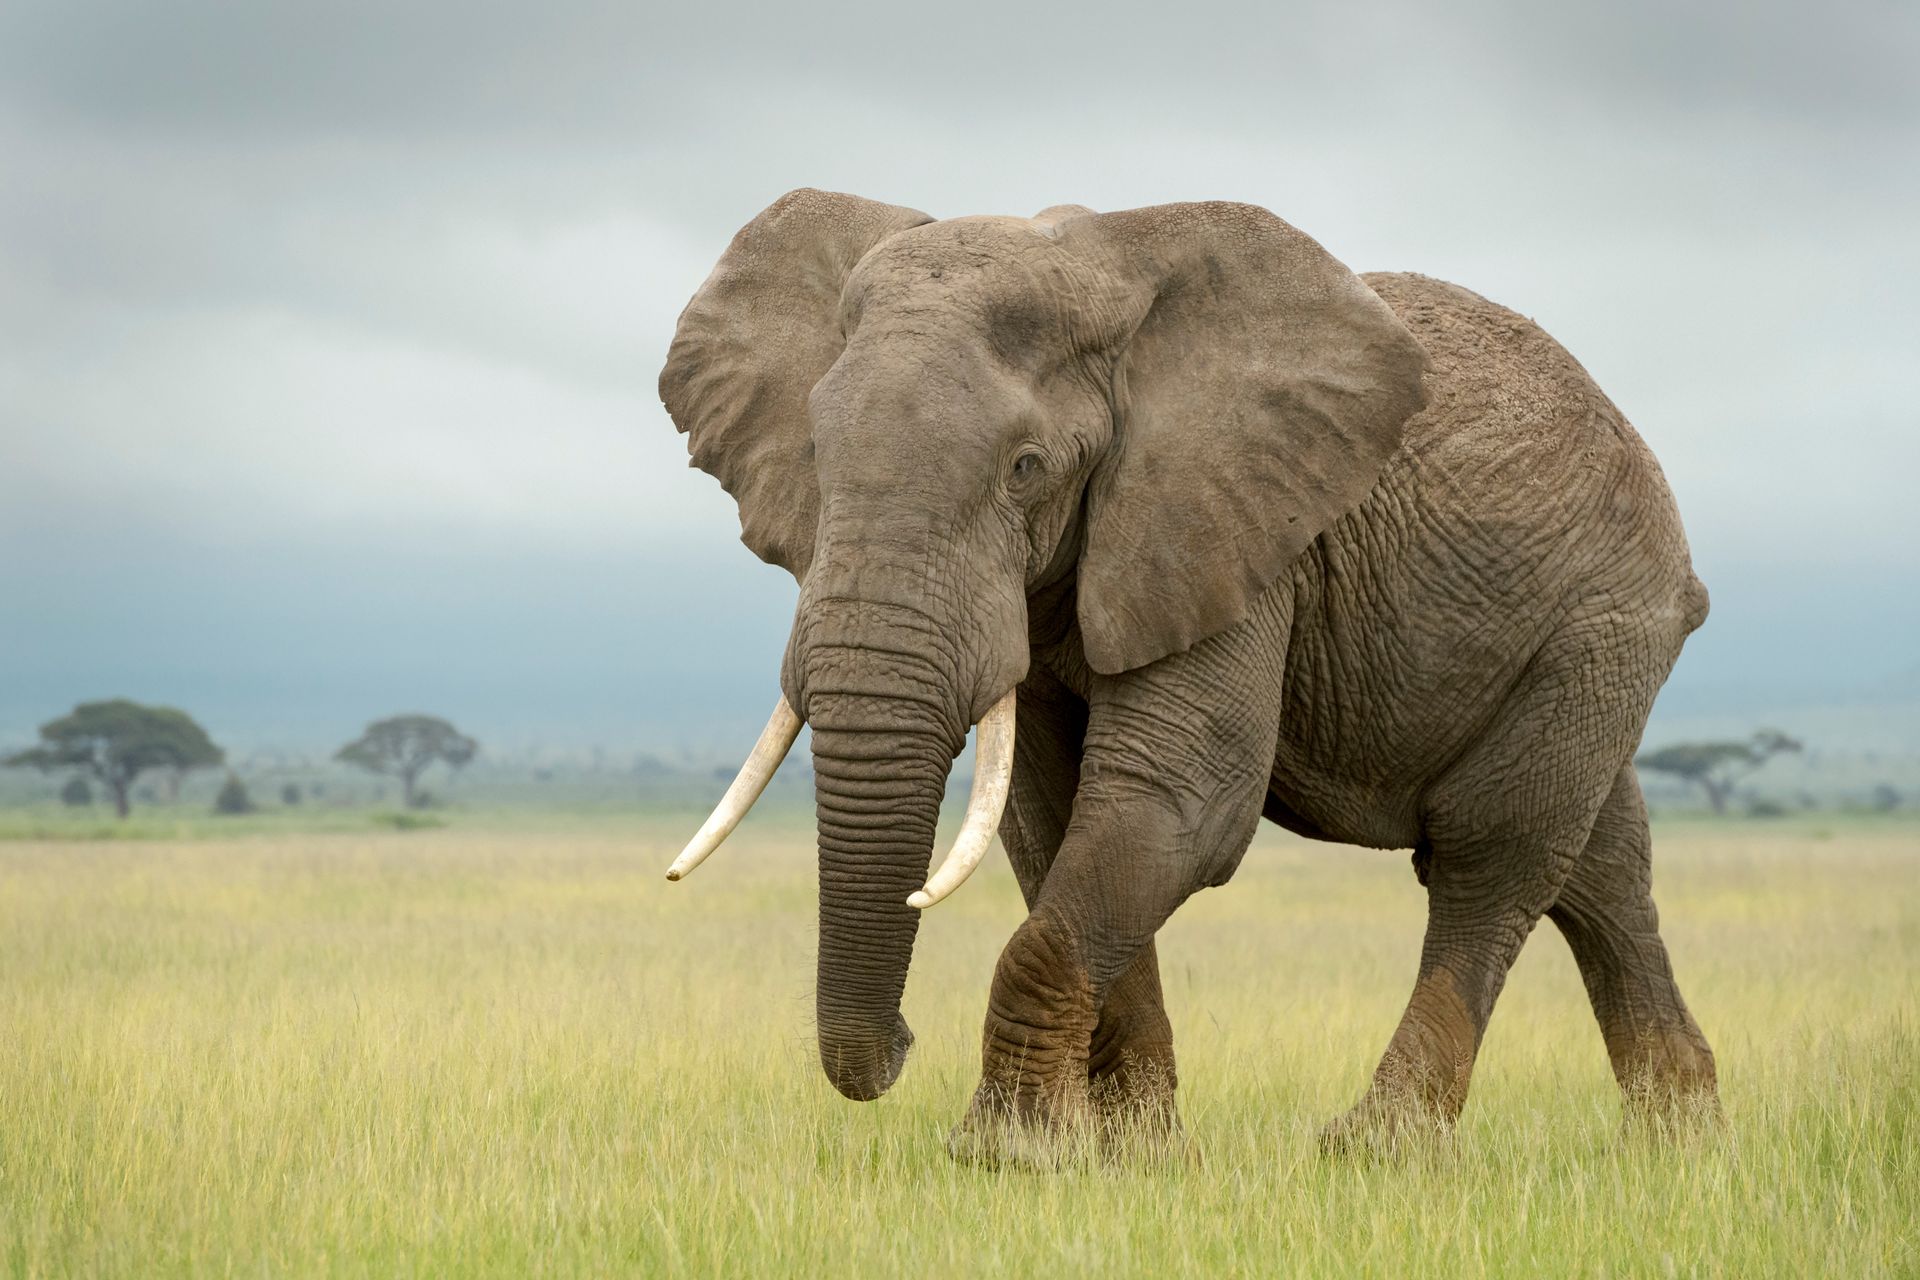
1130 1063
1050 1081
1175 764
1034 1098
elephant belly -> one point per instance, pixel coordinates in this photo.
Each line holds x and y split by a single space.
1520 504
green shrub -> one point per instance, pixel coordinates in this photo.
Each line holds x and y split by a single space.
233 798
408 821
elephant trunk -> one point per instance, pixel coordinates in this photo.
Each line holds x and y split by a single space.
884 739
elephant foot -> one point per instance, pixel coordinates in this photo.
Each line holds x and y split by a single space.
1419 1087
1387 1126
1006 1143
1660 1111
1130 1120
1668 1085
1022 1132
1134 1109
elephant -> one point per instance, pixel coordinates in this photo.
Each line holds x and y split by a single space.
1199 527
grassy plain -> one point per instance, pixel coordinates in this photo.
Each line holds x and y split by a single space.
489 1050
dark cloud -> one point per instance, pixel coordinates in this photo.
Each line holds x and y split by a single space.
335 278
627 70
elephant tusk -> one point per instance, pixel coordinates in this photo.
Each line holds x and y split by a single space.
775 741
992 775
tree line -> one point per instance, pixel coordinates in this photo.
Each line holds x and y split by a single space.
112 743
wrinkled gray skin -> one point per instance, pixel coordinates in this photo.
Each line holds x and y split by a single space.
1370 556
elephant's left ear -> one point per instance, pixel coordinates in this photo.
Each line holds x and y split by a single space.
1257 401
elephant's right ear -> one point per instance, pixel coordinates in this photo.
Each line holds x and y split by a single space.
1257 400
760 332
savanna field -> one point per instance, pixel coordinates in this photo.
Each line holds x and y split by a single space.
510 1048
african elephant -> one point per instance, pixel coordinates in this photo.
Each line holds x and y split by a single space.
1228 531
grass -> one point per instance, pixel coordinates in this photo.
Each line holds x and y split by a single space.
190 823
492 1051
52 823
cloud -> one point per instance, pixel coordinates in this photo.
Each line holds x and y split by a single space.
329 279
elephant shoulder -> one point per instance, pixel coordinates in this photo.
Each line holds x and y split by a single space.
1495 378
1528 442
1472 342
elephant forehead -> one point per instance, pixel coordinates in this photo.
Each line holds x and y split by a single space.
914 376
1009 281
966 262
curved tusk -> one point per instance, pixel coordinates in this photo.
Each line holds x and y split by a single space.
775 741
992 774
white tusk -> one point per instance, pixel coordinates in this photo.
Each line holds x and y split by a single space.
775 741
992 774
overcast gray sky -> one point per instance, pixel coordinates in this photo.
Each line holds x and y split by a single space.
328 333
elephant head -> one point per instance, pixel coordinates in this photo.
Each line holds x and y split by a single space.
929 422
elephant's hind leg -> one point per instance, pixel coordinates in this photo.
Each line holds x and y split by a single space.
1505 827
1606 912
1484 897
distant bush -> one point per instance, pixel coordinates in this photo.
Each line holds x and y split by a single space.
290 794
233 798
1884 798
408 821
1760 807
76 794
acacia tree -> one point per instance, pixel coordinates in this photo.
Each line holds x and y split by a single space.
1715 767
116 741
404 747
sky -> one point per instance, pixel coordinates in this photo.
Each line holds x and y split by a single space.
329 333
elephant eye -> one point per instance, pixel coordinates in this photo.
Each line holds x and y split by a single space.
1025 465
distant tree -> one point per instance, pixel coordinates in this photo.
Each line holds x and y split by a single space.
290 794
1884 798
405 746
233 797
76 794
116 741
1715 767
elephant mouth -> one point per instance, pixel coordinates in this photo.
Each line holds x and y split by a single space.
993 776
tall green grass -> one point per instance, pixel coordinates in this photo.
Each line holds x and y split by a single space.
461 1051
